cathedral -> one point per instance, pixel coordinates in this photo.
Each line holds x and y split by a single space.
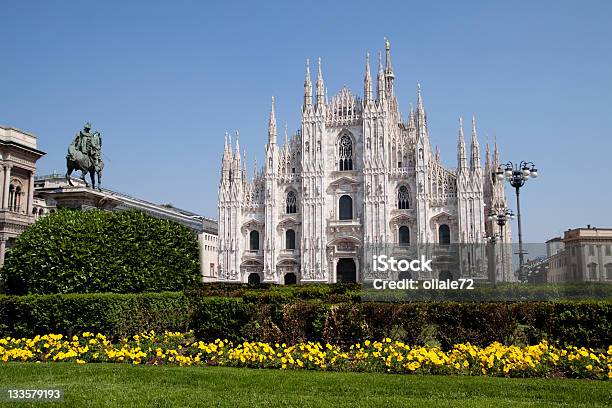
356 181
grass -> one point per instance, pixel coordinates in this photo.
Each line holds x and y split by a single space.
97 385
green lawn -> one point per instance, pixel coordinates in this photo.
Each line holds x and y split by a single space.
96 385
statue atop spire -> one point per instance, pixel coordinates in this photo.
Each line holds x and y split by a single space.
475 147
367 82
420 99
461 154
320 85
272 125
286 139
389 75
307 86
380 84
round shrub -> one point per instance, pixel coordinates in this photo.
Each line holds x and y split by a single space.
100 251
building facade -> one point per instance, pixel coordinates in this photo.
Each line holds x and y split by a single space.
18 157
586 256
355 181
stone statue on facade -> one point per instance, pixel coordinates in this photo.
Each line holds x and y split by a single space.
85 154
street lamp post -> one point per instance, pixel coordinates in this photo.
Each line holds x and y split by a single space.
501 217
517 176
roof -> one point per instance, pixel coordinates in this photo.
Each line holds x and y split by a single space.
165 211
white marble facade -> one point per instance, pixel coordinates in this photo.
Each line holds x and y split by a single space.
355 176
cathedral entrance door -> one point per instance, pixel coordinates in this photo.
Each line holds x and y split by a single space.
346 270
254 279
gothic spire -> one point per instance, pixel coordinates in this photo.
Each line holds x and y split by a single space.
286 146
419 99
307 87
367 82
461 155
420 113
272 125
389 75
237 157
230 152
475 147
225 149
320 85
411 120
496 155
380 85
244 165
488 168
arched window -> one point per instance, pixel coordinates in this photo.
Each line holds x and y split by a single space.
254 240
345 207
345 153
17 204
404 235
444 234
290 239
291 202
403 199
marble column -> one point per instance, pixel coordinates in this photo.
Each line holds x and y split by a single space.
2 249
30 194
7 182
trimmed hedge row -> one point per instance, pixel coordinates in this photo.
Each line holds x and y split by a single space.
351 292
583 323
118 315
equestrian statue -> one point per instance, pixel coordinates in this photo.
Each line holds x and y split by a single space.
85 154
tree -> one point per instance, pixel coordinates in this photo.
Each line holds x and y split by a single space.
98 251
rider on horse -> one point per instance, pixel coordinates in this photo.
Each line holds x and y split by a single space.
84 153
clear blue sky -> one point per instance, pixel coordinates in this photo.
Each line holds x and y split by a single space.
163 82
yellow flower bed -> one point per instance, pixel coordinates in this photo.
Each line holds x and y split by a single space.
539 360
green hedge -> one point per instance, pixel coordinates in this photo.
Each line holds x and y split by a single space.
351 292
117 315
581 323
101 251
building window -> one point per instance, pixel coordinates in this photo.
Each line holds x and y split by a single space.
345 152
608 250
254 240
444 234
290 239
592 250
592 271
345 207
291 202
404 235
403 198
14 198
609 271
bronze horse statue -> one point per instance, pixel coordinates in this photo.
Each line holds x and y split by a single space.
87 163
